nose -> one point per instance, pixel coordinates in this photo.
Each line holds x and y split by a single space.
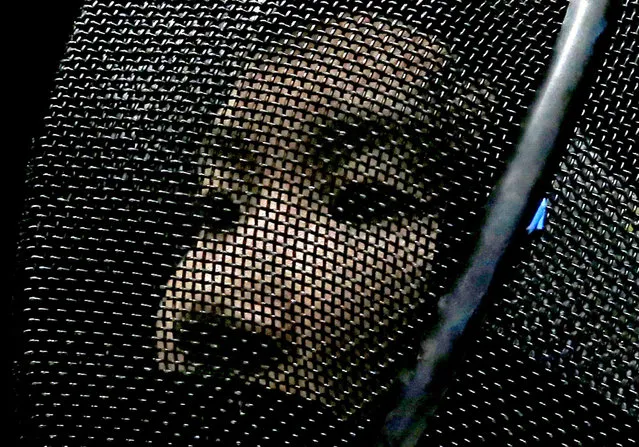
262 270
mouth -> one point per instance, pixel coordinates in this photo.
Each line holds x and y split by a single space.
216 345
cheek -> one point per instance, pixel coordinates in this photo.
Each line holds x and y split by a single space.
371 275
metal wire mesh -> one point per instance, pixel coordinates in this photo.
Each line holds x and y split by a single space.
240 216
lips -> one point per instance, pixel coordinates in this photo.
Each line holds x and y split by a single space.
214 344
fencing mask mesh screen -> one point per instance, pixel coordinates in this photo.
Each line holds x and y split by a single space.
241 215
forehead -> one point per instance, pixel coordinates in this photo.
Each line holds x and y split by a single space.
346 91
351 67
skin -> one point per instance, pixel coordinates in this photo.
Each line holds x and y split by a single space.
303 261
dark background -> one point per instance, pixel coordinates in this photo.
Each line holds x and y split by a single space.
40 31
34 47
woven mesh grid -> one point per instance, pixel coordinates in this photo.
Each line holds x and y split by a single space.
240 216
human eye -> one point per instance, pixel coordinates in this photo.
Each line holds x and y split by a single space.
219 211
364 203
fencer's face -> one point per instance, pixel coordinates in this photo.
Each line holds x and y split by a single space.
322 236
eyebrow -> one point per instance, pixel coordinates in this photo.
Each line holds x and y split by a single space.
334 141
354 132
